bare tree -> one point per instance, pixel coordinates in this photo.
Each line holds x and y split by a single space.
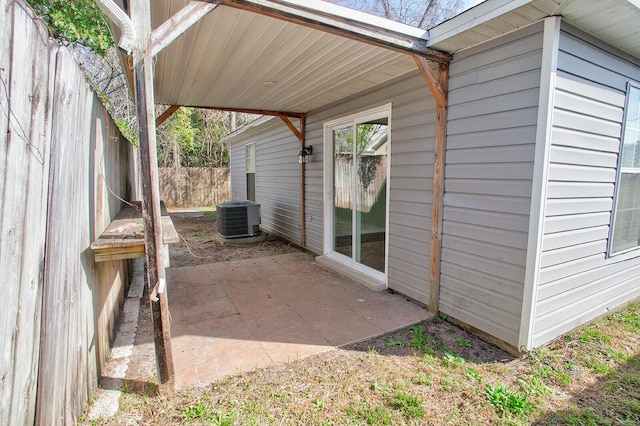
418 13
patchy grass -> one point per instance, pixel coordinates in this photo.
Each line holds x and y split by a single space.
432 373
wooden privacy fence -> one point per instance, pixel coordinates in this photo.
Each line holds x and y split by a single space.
371 179
63 168
194 186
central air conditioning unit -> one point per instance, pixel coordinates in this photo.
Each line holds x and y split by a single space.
238 219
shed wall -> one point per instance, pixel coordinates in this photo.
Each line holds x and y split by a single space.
277 177
576 280
493 109
237 169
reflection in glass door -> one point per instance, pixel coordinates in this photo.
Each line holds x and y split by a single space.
360 191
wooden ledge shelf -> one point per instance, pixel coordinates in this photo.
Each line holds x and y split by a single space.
124 237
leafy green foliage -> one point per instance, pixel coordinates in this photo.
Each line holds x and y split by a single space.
508 401
75 22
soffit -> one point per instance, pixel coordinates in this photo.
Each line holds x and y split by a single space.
612 21
231 57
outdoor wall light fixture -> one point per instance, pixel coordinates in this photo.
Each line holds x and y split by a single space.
305 155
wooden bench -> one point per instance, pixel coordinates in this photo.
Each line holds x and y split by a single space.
124 237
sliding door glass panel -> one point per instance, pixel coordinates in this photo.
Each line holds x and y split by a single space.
343 190
370 195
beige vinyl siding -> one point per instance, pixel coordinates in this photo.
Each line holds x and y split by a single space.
493 99
577 282
277 178
411 178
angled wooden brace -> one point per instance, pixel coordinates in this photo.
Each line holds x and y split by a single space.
175 26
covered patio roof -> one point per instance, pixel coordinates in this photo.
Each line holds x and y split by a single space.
297 56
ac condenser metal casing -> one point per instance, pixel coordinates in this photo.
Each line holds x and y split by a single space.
238 219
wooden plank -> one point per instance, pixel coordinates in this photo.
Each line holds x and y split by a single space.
66 291
119 253
179 23
24 173
438 190
143 79
127 229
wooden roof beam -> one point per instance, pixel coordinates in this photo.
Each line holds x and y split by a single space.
253 111
166 114
179 23
341 26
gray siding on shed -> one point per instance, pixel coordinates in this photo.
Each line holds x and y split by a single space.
411 180
277 177
491 132
237 170
576 281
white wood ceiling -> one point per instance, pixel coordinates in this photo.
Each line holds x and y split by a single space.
242 60
238 59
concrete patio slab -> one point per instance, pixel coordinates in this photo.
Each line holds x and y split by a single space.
232 317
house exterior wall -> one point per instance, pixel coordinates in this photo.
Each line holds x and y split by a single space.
577 282
412 138
277 178
491 134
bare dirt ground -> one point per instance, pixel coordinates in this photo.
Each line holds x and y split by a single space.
199 229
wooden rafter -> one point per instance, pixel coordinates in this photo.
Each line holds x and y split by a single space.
175 26
342 26
298 133
166 114
431 80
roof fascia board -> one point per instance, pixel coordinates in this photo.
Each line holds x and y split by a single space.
473 17
259 122
175 26
342 26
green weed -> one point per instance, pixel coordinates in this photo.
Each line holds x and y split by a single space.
463 343
472 374
203 412
391 342
508 401
409 405
423 379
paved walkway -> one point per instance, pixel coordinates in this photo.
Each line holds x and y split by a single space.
232 317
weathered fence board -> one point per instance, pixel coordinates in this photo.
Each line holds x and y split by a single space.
194 186
63 169
24 199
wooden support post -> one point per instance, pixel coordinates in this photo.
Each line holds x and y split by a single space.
442 89
143 83
439 88
303 225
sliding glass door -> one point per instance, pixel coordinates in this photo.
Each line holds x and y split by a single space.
359 198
